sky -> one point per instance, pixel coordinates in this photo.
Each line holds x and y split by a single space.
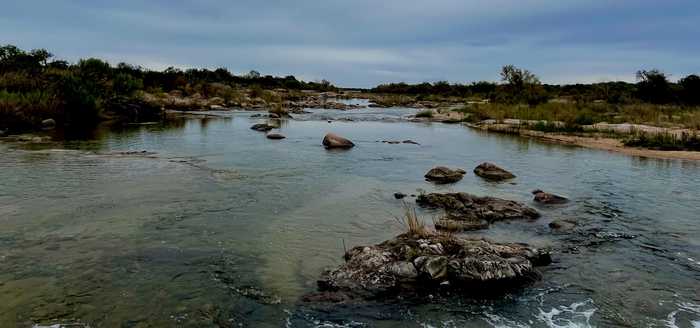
362 43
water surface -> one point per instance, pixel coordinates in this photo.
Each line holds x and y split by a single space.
221 227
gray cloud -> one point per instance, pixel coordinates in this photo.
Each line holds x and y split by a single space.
364 42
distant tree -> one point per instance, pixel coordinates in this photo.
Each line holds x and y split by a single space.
522 86
690 90
653 86
253 74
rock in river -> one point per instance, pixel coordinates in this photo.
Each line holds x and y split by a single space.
422 265
547 198
335 141
469 212
441 174
275 136
262 127
492 172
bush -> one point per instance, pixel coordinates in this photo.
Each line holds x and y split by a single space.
664 141
425 113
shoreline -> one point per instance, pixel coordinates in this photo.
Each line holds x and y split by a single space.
600 143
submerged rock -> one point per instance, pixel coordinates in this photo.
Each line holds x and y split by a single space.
492 172
262 127
547 198
335 141
275 136
412 265
469 212
562 225
410 142
441 174
399 195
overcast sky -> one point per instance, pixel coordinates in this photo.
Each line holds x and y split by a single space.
361 43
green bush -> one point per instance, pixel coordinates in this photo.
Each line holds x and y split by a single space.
425 113
664 141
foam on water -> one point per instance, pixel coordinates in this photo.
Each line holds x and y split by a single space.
576 315
686 309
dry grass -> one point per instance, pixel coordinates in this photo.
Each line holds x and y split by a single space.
412 223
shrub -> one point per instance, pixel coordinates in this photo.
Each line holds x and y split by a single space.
664 141
425 113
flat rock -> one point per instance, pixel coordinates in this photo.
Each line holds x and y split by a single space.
262 127
442 174
469 212
547 198
490 171
275 136
421 266
335 141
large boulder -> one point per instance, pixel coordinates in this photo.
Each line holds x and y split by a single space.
426 265
469 212
547 198
335 141
441 174
492 172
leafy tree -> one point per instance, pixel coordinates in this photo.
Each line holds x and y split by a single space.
522 86
653 86
690 89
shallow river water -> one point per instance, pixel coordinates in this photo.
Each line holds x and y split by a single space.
217 226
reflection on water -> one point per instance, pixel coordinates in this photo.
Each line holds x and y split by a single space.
222 227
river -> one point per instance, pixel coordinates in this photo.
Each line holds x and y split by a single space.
217 226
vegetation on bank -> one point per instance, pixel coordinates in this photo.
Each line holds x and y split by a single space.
35 88
664 141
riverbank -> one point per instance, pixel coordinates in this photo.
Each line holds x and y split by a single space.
609 140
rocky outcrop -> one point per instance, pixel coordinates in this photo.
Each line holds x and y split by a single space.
426 265
335 141
442 174
275 136
547 198
468 212
262 127
490 171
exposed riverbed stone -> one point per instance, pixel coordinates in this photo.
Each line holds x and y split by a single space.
275 136
469 212
492 172
262 127
422 265
547 198
441 174
335 141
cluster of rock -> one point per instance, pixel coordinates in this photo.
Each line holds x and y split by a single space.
423 265
469 212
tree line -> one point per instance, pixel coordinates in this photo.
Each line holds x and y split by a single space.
34 86
522 86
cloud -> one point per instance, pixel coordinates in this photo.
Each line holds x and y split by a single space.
365 42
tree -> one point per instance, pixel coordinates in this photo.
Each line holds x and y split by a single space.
653 86
522 86
253 74
690 90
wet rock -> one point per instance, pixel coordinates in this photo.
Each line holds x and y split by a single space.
48 124
408 266
262 127
492 172
399 195
275 136
335 141
441 174
562 224
410 142
547 198
469 212
274 115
